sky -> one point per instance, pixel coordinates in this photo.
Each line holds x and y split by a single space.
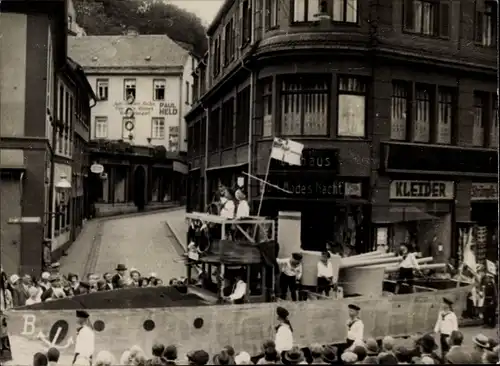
205 9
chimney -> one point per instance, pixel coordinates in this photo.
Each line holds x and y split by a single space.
131 31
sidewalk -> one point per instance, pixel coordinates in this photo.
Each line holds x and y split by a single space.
178 226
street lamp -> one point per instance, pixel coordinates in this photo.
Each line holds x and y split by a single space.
63 186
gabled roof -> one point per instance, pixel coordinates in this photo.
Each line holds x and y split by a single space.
126 51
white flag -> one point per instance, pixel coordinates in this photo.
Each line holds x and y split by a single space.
287 150
491 267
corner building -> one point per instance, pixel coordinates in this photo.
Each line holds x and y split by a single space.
396 107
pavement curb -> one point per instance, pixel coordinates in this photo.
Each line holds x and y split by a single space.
176 239
135 214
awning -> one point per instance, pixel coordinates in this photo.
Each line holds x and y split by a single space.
180 167
400 214
12 171
231 166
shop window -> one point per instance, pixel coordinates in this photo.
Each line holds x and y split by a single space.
101 127
486 23
382 238
158 128
68 213
198 135
60 102
493 140
213 131
102 89
267 108
399 111
422 123
227 124
271 17
443 132
345 11
243 116
351 119
129 89
159 87
427 17
304 102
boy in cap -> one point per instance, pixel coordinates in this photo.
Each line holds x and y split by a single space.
446 323
355 326
291 274
85 340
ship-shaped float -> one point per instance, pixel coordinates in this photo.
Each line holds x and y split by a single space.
196 317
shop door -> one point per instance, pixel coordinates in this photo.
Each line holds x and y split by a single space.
316 226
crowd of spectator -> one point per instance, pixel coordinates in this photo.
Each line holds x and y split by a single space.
419 349
24 290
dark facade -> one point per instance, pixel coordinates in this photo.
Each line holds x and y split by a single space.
29 149
397 110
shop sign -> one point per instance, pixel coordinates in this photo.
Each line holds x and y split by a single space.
484 192
421 190
168 109
312 187
311 160
135 108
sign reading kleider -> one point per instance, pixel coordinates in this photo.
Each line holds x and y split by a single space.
421 190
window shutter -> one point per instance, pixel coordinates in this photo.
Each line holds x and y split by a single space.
444 19
408 15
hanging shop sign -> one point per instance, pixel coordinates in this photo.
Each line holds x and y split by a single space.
484 192
96 168
134 108
421 190
168 109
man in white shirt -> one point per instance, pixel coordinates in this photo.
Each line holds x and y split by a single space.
446 323
325 274
291 274
85 340
355 326
407 266
228 208
239 291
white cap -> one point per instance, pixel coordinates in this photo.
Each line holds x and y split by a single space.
14 278
152 275
45 275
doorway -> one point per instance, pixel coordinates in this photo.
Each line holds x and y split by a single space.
140 187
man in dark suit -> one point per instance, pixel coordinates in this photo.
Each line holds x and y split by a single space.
120 275
455 342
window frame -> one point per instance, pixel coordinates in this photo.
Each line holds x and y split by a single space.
158 85
305 5
432 102
101 119
217 57
160 121
246 22
99 87
362 80
227 124
271 17
331 12
125 88
480 14
229 38
243 98
451 92
214 130
440 24
406 87
480 103
267 105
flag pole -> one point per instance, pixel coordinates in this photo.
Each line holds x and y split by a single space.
265 183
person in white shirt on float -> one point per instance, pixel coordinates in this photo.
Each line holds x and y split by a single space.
239 291
408 265
243 209
291 274
284 332
325 274
355 326
446 323
85 340
228 208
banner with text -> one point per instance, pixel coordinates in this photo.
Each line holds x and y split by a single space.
422 190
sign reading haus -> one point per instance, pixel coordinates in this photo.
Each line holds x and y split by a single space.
421 190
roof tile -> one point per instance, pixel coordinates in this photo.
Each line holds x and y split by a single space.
126 51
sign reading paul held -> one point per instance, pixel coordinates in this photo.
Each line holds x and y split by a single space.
422 190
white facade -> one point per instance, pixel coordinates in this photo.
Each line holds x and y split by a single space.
73 27
140 109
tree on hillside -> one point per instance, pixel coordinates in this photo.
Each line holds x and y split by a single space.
112 17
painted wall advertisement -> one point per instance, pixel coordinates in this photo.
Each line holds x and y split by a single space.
146 108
